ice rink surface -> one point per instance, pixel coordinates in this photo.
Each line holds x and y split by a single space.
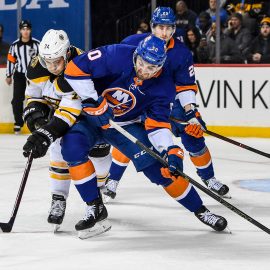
149 229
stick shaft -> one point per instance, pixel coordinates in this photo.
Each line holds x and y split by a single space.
7 227
192 181
221 137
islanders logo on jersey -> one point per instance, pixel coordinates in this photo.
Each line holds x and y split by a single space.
120 100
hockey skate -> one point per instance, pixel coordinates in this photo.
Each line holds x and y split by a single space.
57 211
217 187
218 223
109 191
95 220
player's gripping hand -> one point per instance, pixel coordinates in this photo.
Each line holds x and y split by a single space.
174 156
35 117
99 110
38 143
196 124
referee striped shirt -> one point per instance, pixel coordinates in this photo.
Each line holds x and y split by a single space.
20 54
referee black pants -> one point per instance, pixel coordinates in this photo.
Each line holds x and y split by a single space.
19 87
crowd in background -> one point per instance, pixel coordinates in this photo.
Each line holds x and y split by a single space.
244 36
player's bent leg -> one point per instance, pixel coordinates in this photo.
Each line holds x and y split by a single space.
117 169
101 159
75 151
201 158
59 182
185 194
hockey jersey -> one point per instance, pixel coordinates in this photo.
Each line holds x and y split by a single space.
109 71
54 91
179 63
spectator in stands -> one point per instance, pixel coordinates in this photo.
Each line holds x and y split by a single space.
184 16
238 32
144 26
259 51
192 41
229 52
212 12
3 47
204 23
20 54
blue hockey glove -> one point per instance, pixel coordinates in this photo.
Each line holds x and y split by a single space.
99 110
196 124
175 156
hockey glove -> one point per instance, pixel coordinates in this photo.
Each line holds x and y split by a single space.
174 156
38 143
35 116
99 110
196 124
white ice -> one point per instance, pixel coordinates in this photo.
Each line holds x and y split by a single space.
149 229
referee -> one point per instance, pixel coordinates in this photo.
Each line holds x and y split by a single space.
20 54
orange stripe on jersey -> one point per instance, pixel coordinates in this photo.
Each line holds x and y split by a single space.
73 70
151 124
119 156
171 44
187 87
177 187
11 58
202 160
81 171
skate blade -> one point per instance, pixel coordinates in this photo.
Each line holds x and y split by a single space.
99 228
55 228
228 230
105 198
227 196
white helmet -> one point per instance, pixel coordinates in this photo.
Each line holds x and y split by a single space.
54 44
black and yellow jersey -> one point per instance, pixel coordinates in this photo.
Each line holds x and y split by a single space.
52 90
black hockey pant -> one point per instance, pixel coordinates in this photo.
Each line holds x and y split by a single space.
18 97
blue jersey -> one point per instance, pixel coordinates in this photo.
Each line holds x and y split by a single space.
179 62
112 70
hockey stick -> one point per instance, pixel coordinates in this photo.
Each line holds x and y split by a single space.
192 181
7 227
226 139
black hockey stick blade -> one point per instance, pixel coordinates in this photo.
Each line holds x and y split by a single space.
191 180
226 139
7 227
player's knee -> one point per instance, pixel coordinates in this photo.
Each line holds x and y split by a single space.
75 148
100 150
154 175
192 144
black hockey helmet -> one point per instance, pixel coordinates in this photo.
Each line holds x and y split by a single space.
25 23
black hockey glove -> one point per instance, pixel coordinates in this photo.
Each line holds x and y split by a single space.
38 143
36 115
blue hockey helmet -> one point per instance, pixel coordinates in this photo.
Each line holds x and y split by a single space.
152 50
163 15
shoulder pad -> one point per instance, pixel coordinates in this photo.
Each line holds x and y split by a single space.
62 85
35 70
74 51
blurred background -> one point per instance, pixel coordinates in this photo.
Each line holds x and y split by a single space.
234 33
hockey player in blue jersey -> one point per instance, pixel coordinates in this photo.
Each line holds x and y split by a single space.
180 65
133 82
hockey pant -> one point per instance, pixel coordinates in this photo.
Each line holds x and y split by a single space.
83 136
